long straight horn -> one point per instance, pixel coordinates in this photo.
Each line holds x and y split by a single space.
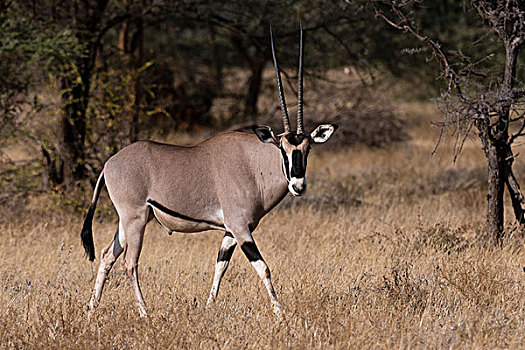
300 86
286 118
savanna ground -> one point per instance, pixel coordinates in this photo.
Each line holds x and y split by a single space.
381 252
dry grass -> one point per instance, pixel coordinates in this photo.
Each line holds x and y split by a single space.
380 253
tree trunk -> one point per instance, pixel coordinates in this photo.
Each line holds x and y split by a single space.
496 187
496 169
507 87
254 87
496 144
137 44
256 65
75 87
131 42
72 128
218 62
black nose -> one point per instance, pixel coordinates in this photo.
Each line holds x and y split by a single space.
299 190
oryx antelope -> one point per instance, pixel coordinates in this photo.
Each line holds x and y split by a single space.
227 183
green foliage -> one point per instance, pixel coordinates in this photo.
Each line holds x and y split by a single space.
15 52
109 115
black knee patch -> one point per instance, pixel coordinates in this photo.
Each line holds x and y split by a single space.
226 254
250 250
117 248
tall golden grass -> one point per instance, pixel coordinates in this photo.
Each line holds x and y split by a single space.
382 252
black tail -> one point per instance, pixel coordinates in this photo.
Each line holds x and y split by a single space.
87 229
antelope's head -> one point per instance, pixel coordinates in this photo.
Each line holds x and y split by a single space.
294 145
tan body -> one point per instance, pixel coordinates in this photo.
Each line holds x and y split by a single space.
214 178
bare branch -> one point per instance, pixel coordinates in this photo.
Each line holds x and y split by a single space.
406 26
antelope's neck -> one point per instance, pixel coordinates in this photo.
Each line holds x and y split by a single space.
273 186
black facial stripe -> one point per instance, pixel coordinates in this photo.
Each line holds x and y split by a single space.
306 159
181 216
286 164
117 249
250 250
297 164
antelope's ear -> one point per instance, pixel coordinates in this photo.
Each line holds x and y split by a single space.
265 134
322 133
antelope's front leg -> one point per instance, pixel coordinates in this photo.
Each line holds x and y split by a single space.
251 251
223 259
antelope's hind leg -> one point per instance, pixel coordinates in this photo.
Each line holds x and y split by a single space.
134 227
109 255
223 259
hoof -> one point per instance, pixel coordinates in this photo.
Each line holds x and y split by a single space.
142 312
277 310
210 303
